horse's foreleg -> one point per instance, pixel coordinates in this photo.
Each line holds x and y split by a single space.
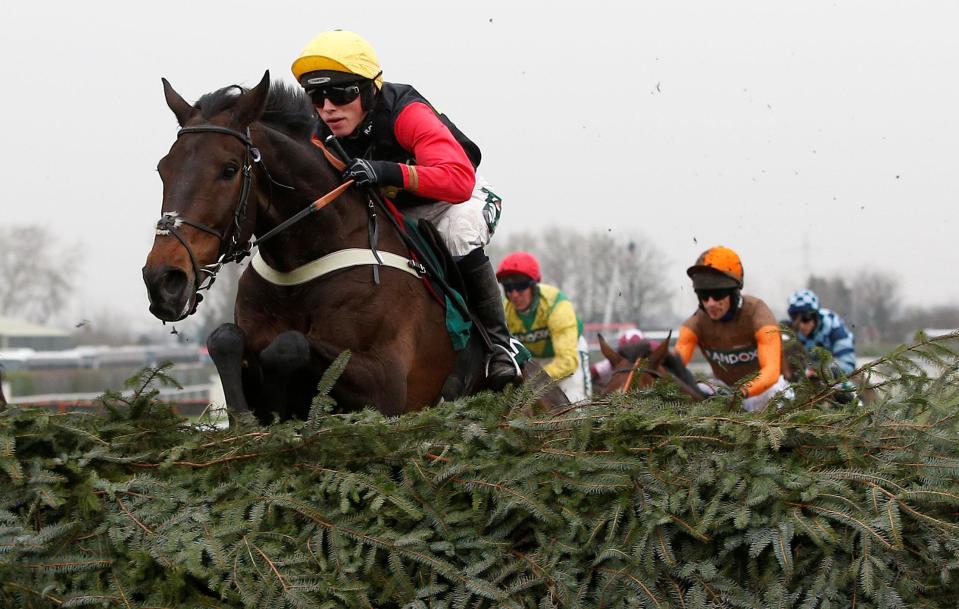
226 347
284 363
553 398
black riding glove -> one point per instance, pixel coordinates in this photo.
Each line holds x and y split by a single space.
372 173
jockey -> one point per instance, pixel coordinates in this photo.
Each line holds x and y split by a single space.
737 334
818 327
418 159
544 320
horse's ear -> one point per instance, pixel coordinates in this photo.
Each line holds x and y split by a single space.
181 109
657 357
253 102
610 353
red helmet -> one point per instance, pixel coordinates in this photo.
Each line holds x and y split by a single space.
522 263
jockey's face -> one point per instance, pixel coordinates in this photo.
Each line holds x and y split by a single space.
519 291
716 309
342 120
805 326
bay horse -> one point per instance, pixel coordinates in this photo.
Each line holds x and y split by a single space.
244 164
638 365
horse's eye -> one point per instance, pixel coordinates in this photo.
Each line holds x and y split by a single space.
229 171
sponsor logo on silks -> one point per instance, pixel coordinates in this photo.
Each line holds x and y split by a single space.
735 357
534 336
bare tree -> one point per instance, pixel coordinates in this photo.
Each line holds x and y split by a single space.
36 272
944 317
876 302
833 293
607 277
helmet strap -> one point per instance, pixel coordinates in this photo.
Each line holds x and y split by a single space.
367 95
735 303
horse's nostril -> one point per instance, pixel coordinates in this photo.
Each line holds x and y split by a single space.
172 283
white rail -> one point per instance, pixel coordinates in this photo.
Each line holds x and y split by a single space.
189 392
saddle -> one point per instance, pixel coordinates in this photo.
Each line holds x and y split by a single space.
468 374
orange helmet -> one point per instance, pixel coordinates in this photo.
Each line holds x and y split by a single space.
521 263
717 268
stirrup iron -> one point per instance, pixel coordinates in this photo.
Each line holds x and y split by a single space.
512 351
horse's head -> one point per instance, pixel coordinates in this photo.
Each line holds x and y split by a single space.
628 369
795 358
207 179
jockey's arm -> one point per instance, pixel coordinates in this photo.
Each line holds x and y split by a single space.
843 350
564 333
769 348
442 171
686 344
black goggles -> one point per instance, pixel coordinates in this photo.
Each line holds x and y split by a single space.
338 95
517 286
804 316
716 295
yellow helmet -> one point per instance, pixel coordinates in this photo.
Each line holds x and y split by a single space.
340 51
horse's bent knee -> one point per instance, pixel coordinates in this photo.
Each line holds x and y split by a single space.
226 341
288 351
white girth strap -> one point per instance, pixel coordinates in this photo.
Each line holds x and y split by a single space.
329 263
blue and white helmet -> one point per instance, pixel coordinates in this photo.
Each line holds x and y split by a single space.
803 301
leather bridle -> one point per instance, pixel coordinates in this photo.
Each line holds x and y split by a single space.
231 250
230 247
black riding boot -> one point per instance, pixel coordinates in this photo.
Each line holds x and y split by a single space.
486 302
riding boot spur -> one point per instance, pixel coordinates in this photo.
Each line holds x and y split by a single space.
487 303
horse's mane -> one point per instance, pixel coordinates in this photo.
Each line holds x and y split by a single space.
636 350
288 108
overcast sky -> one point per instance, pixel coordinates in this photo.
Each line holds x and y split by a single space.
809 136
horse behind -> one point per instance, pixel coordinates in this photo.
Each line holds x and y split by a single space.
244 163
638 365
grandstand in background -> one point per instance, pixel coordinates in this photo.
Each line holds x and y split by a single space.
20 334
104 368
89 357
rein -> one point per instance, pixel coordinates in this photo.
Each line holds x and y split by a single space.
631 370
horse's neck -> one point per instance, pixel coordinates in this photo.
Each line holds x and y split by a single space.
344 223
